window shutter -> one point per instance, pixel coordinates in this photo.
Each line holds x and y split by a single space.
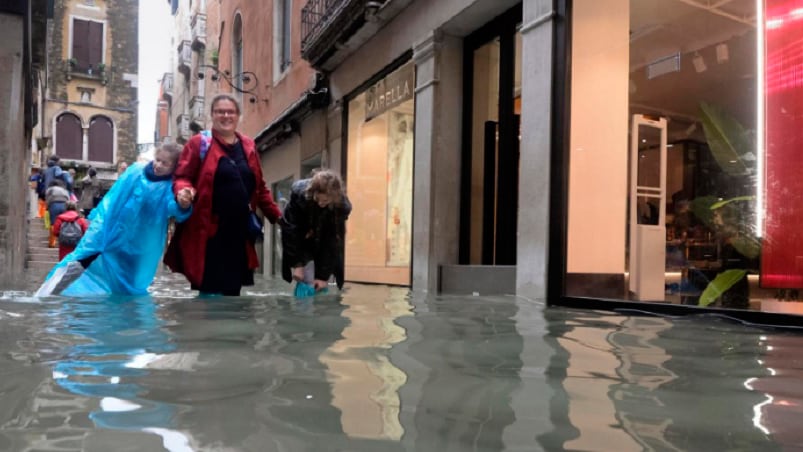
80 43
101 139
69 137
287 14
95 43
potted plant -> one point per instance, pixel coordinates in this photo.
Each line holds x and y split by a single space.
101 68
730 214
214 57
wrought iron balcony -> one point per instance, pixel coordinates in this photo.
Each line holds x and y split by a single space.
98 71
197 113
182 128
198 32
326 22
167 85
185 57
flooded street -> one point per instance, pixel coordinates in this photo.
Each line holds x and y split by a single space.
376 368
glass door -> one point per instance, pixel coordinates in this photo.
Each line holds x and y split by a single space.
489 205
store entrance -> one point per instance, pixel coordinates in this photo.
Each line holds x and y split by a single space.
490 174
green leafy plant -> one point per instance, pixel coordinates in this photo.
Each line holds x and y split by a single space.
731 219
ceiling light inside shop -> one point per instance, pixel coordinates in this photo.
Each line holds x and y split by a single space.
699 63
663 65
722 53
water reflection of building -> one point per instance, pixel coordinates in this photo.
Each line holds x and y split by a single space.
365 383
463 369
586 349
780 412
637 383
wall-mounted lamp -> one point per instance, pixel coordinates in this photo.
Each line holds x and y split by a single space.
699 63
722 53
244 82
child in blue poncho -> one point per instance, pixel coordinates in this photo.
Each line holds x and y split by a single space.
121 250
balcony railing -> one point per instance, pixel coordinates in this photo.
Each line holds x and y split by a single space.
198 32
96 72
197 110
167 85
328 24
185 57
183 127
315 15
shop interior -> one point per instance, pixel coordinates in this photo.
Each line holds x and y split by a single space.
380 179
692 65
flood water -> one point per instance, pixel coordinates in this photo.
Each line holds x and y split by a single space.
378 369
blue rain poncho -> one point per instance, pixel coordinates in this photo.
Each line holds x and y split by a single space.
126 236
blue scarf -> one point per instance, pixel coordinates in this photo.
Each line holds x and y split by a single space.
151 176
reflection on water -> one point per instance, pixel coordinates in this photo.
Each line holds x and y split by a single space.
377 368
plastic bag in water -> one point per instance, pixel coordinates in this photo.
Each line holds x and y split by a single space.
61 278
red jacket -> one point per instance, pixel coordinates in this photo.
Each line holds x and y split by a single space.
187 250
68 216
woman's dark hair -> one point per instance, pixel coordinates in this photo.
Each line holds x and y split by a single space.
328 182
92 172
227 97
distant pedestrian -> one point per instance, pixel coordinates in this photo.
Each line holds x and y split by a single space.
38 204
54 172
69 227
56 197
90 191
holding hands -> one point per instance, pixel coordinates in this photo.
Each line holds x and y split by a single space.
185 197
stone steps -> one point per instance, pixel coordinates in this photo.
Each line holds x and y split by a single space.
39 258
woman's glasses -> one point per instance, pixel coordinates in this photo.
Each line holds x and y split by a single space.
225 112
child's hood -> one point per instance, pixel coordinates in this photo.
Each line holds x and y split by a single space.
70 215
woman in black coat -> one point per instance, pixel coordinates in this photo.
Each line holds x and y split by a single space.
313 230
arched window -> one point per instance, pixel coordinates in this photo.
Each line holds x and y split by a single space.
237 53
69 137
101 140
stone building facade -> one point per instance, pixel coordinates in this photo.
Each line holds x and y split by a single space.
23 33
91 105
436 122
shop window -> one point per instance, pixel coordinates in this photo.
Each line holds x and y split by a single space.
101 140
69 137
381 121
87 45
683 146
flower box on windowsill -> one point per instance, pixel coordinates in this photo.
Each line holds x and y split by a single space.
99 73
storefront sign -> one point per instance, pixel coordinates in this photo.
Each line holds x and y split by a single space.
389 92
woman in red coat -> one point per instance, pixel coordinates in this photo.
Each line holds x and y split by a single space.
223 176
69 216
